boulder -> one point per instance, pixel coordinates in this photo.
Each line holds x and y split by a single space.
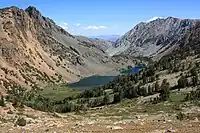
20 121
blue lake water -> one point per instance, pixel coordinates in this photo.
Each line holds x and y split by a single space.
134 70
97 80
92 81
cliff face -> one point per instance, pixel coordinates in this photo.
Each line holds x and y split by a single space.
150 39
36 52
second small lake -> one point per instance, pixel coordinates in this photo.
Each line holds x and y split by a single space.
133 70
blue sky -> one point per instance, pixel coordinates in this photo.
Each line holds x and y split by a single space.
107 17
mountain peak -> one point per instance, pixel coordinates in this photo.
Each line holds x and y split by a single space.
13 8
31 7
172 18
33 12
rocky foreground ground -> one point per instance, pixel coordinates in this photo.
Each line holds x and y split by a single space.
130 116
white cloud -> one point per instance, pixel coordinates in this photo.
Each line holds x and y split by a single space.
77 24
102 27
154 18
65 23
93 27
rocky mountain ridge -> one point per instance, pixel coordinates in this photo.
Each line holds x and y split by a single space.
153 38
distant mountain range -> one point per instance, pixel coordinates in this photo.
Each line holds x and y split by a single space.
111 38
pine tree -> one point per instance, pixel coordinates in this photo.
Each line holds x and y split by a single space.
116 98
106 99
157 86
193 71
150 91
195 80
2 103
165 90
182 82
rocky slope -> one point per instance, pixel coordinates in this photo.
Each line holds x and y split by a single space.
153 38
35 51
96 42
